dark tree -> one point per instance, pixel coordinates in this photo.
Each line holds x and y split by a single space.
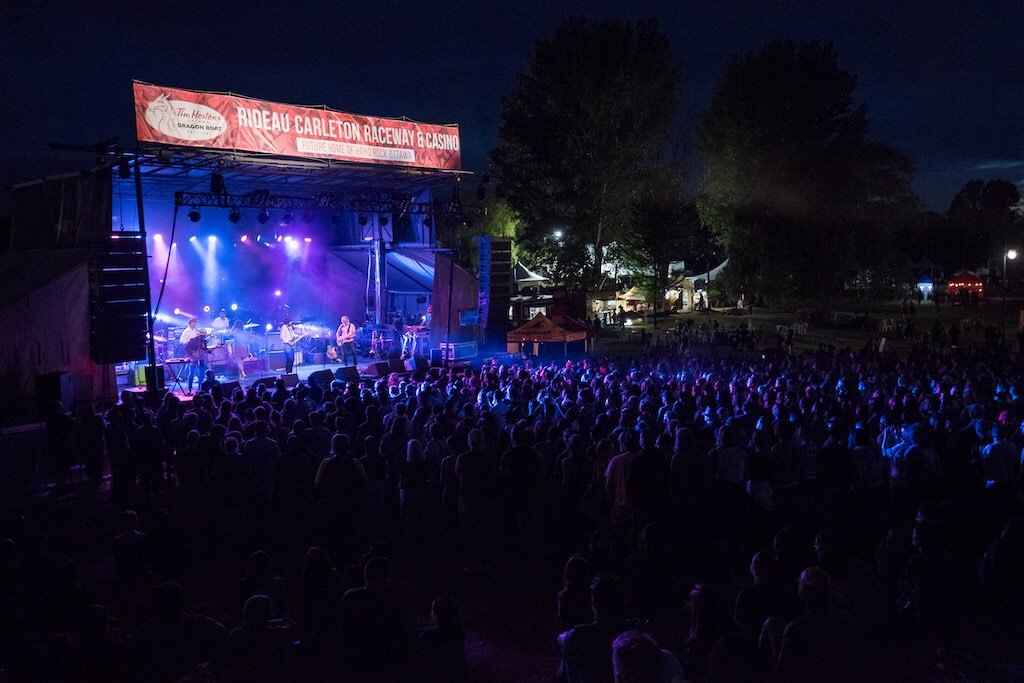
664 229
576 130
983 216
792 186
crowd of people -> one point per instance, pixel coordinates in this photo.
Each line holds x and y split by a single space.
763 517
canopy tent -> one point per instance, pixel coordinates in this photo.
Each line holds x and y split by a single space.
965 281
680 293
526 277
632 294
543 329
701 278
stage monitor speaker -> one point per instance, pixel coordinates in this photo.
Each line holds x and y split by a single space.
321 378
290 380
417 363
261 384
51 388
347 373
275 361
397 365
379 369
227 389
158 381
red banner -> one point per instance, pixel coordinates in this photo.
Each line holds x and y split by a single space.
197 119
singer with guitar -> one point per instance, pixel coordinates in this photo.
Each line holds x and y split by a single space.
346 338
193 338
289 338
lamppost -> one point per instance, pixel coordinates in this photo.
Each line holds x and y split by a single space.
1010 254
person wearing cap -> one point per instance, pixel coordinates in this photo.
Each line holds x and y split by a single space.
221 322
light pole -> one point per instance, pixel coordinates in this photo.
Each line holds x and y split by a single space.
1010 254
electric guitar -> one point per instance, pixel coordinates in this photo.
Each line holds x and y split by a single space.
347 337
295 340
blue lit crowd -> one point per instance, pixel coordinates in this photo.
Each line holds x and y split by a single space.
763 517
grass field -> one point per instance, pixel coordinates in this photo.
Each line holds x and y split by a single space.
972 321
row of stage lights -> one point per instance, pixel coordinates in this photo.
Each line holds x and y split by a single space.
245 239
263 217
235 215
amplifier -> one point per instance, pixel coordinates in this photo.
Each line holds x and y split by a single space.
459 351
254 365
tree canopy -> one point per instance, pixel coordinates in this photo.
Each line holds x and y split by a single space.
576 131
664 229
982 217
798 195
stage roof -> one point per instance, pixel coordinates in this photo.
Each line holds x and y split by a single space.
167 171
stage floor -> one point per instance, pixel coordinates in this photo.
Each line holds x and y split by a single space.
302 371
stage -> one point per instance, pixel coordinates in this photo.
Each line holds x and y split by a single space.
366 370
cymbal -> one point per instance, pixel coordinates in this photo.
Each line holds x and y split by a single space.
249 326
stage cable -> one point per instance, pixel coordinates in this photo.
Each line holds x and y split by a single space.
167 263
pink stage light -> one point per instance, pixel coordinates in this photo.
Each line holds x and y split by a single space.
244 238
307 240
157 237
277 292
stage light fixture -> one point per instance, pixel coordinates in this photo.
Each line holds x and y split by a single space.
259 238
288 239
383 219
174 245
234 307
157 237
263 216
269 327
211 239
277 292
194 215
363 220
307 240
279 238
206 309
287 217
234 215
177 311
243 238
307 217
193 238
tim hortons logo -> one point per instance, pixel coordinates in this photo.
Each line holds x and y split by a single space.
184 120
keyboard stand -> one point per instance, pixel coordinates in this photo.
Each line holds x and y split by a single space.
174 366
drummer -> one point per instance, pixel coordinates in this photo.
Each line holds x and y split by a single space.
221 323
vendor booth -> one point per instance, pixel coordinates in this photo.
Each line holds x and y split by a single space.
965 284
531 337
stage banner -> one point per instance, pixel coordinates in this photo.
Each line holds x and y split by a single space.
216 121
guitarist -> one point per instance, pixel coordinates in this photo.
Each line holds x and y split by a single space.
346 338
289 338
194 340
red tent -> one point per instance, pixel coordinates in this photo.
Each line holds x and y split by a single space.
967 281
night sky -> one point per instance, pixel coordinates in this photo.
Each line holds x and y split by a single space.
944 81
